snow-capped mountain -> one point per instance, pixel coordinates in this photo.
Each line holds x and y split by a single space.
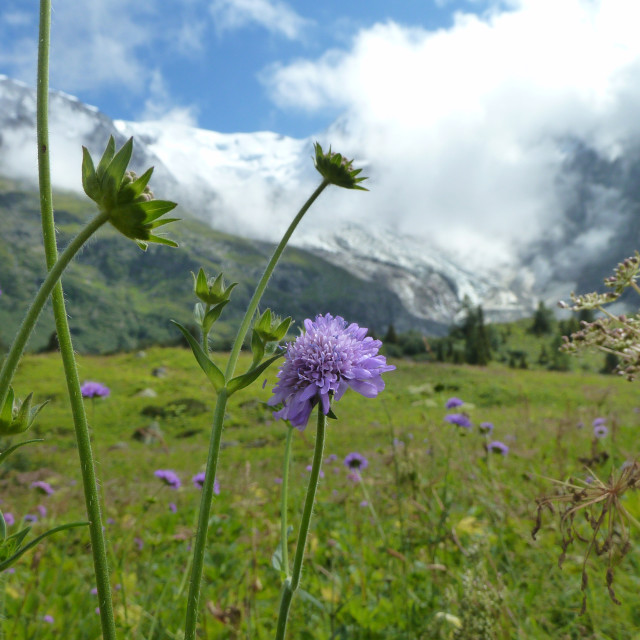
250 184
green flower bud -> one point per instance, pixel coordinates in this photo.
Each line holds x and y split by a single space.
337 170
210 290
271 328
16 417
124 196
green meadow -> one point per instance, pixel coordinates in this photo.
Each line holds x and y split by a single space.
435 543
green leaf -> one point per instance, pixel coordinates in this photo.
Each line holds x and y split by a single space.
161 240
7 452
240 382
155 208
276 559
6 415
216 377
212 316
305 595
198 313
90 182
3 527
257 347
9 561
106 159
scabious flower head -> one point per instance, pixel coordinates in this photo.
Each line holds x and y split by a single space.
48 618
168 477
355 461
198 481
8 518
324 362
332 457
94 390
453 402
321 474
498 447
600 430
486 427
459 419
45 487
598 422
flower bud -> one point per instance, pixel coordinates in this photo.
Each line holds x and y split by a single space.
271 328
337 170
16 417
210 290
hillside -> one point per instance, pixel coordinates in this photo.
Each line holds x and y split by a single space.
120 298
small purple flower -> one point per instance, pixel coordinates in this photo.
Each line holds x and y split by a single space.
42 510
498 447
30 517
354 476
45 487
172 507
459 419
94 591
198 481
47 618
355 462
322 364
452 403
398 443
598 422
94 390
486 427
278 480
364 503
332 457
169 477
139 543
600 431
8 518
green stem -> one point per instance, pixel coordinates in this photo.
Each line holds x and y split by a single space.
10 363
262 285
283 508
56 267
203 518
291 584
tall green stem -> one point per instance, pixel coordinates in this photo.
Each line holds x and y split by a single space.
291 584
262 285
283 507
203 518
56 267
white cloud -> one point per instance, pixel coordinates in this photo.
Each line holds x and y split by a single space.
274 16
462 126
160 106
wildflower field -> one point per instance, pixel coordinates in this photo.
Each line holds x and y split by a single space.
425 534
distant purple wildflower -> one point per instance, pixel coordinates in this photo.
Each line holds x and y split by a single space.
453 402
498 447
168 477
598 422
48 618
486 427
30 517
364 503
94 591
278 480
322 364
172 507
398 443
8 518
42 510
94 390
198 481
600 431
332 457
45 487
355 462
459 419
139 543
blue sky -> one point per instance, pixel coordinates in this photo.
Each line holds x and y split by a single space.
207 60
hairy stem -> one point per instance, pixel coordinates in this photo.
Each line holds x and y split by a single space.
52 282
203 518
291 584
262 285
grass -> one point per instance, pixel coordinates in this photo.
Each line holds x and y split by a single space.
452 537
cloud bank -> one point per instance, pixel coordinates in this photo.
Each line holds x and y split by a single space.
464 128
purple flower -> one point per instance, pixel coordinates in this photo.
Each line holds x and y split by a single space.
452 403
48 618
198 481
139 544
498 447
8 518
45 487
598 422
42 510
356 462
364 503
322 364
332 457
172 507
168 477
460 419
94 390
94 591
30 518
600 431
486 427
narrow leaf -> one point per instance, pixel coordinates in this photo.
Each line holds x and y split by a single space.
155 208
90 182
240 382
106 159
115 171
10 450
216 377
213 315
161 240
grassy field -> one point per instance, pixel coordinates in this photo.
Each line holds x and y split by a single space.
436 536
